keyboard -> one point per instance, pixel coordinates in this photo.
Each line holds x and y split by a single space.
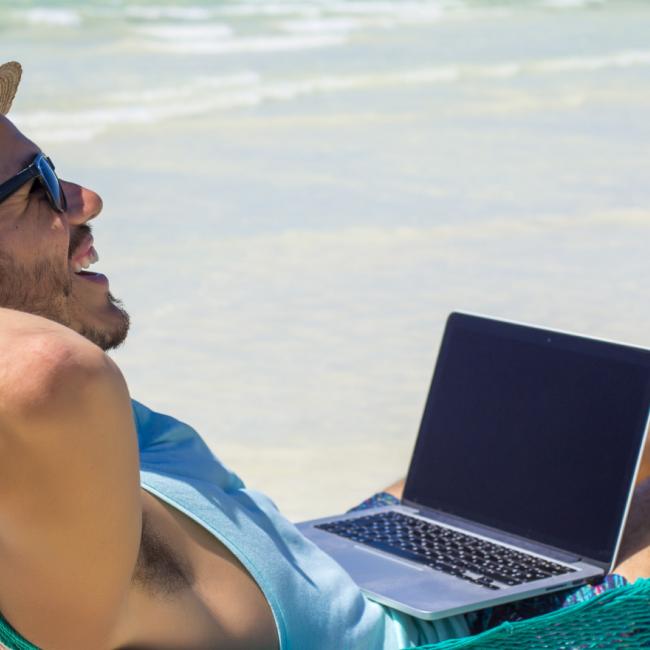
476 560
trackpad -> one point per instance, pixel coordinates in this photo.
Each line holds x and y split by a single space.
394 578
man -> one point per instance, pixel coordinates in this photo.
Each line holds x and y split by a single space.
118 528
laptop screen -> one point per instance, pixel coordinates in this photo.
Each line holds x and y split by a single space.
533 432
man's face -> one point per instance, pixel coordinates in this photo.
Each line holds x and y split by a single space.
40 250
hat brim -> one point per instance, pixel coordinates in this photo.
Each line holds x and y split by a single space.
10 74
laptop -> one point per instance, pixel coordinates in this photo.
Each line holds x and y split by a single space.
521 476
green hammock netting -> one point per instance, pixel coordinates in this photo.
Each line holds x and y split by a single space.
11 640
613 620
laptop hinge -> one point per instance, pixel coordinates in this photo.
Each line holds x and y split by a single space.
500 535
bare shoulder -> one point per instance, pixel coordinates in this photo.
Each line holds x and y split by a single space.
70 511
40 359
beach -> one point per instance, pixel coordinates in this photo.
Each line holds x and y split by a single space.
296 195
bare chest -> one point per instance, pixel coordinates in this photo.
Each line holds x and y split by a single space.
189 591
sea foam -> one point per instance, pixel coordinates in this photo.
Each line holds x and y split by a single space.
244 44
186 33
571 4
585 63
152 12
206 94
49 16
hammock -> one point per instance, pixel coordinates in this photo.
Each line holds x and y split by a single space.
613 620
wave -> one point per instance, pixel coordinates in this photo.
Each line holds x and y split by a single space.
243 44
405 8
325 14
269 9
49 16
187 33
619 60
151 106
510 69
197 86
203 95
196 97
153 12
318 25
353 21
398 10
571 4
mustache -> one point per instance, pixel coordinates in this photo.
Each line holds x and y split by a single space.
78 234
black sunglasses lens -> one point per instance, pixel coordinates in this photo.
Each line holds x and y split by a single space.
51 184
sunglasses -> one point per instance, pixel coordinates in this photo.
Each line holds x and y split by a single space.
42 169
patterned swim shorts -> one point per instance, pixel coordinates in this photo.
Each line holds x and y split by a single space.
489 617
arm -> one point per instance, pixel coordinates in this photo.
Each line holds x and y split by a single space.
70 512
644 469
634 554
396 489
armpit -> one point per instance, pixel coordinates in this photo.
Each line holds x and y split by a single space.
159 570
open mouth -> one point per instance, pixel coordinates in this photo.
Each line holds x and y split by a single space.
84 262
83 257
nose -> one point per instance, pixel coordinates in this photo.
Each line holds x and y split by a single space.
83 204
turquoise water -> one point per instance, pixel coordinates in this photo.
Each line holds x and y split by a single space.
297 193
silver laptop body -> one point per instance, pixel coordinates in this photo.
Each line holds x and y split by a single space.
531 441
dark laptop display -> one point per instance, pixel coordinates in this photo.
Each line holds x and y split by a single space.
513 461
520 479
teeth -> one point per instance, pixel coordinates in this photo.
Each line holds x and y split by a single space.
84 262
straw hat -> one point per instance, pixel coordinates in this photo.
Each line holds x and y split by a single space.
9 80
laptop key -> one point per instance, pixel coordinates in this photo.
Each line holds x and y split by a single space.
445 549
444 566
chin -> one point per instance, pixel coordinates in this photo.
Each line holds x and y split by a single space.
106 327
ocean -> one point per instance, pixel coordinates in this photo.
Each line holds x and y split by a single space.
297 193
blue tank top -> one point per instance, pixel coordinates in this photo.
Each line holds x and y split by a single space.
314 602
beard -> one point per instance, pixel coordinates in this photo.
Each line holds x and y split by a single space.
104 337
45 289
